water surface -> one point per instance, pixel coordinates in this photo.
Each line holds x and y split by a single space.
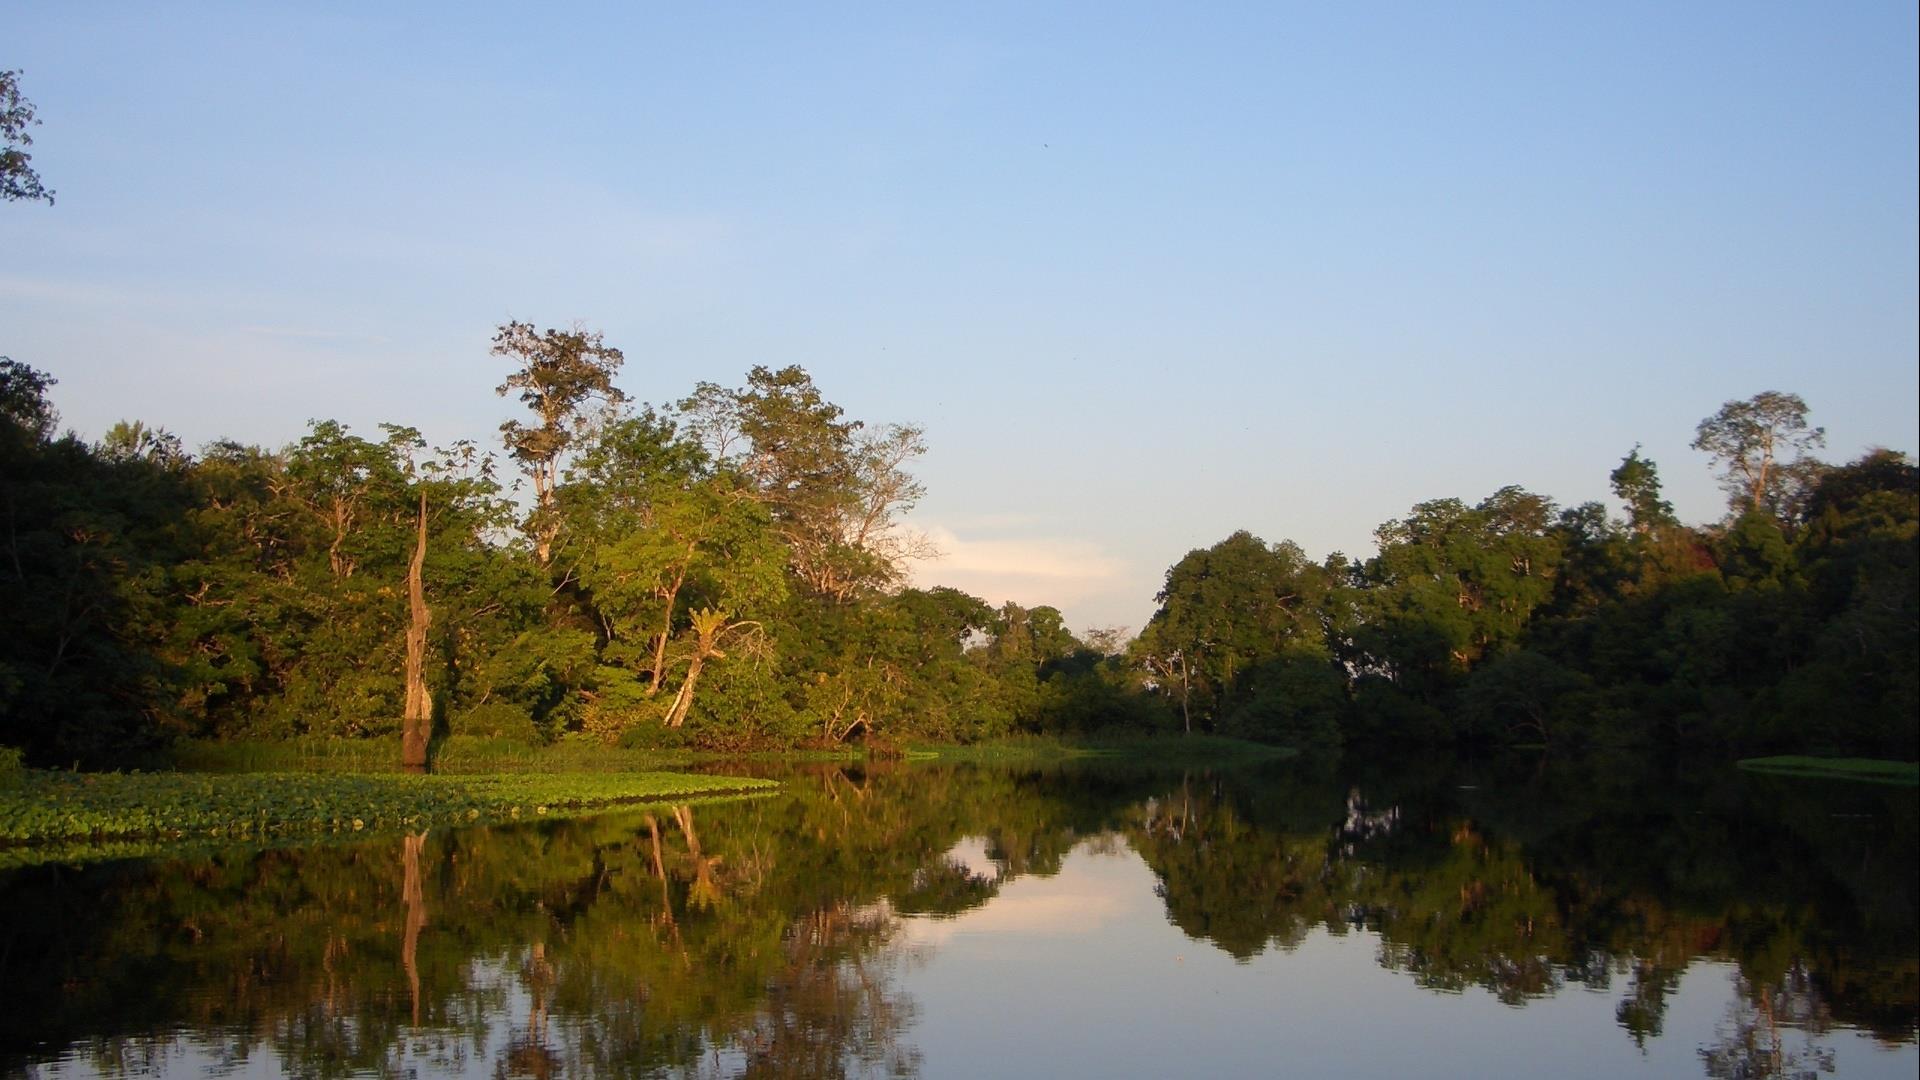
1308 918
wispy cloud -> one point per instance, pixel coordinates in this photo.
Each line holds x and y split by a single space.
1026 570
84 293
992 522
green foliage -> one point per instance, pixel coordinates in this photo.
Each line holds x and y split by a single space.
833 488
728 576
1637 483
560 375
496 720
1523 694
88 560
1298 699
1227 610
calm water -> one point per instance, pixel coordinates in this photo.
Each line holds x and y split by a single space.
1309 918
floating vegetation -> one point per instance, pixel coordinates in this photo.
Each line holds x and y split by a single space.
41 806
1872 770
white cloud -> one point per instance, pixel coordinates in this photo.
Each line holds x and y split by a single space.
1027 570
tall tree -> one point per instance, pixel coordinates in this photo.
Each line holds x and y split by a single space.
17 178
1760 443
660 532
835 490
1452 583
417 722
561 375
1229 609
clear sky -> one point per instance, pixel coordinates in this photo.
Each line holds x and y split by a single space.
1145 273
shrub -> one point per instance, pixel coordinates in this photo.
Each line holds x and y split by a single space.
653 735
496 720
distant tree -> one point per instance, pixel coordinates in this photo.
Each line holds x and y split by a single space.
17 178
1108 640
1228 609
1760 443
1637 483
561 374
130 440
1879 487
1859 551
24 406
1452 581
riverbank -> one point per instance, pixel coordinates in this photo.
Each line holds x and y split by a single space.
465 755
1155 749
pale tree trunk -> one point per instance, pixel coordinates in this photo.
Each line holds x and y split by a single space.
708 626
417 727
666 629
683 701
705 891
546 525
1186 688
414 898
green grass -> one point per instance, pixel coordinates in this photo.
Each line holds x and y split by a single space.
1871 770
37 807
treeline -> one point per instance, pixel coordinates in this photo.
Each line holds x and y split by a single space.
1790 626
729 572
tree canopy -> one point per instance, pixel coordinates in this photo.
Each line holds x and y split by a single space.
729 572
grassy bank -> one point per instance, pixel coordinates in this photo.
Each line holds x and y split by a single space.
1870 770
464 755
37 807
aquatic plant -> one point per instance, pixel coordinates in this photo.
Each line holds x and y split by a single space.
44 806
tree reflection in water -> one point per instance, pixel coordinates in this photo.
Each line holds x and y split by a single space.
1752 1042
763 938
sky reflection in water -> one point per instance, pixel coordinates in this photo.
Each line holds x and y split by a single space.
1309 919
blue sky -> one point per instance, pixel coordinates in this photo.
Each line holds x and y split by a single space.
1145 273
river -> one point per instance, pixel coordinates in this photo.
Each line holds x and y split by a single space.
1507 917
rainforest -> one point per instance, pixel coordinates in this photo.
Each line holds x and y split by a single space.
728 572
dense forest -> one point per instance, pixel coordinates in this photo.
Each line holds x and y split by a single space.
729 572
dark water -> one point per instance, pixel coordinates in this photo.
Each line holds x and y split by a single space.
1309 918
